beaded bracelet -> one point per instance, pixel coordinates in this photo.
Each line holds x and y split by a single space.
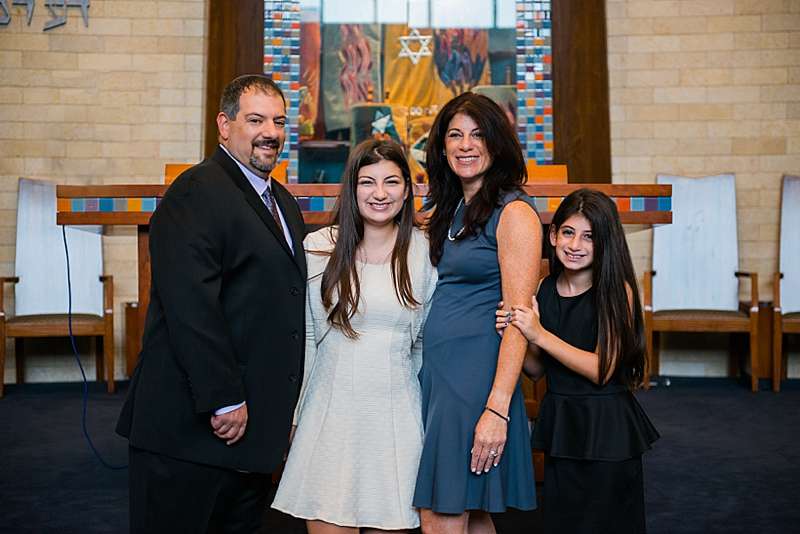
505 418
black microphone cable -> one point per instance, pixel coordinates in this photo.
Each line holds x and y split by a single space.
80 366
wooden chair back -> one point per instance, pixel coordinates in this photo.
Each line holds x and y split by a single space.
41 263
789 253
786 283
696 256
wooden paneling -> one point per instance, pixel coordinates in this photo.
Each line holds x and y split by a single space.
580 90
235 47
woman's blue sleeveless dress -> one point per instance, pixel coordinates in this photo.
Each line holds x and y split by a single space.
460 348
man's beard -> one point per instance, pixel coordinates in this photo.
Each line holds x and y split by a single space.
259 164
263 167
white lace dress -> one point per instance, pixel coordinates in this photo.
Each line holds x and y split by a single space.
356 451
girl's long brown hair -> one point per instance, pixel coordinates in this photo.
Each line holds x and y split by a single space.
341 290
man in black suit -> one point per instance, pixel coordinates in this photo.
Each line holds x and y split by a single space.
210 404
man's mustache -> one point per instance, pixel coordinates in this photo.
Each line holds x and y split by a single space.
267 143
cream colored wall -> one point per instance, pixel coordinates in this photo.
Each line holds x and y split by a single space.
697 87
702 87
106 104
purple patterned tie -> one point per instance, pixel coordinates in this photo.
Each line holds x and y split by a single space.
269 200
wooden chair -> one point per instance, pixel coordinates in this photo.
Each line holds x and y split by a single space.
786 284
41 286
693 286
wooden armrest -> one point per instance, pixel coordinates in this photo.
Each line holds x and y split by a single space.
647 289
108 294
753 288
776 292
3 281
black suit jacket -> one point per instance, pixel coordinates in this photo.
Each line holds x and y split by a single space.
225 321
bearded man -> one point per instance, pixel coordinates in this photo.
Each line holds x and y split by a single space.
209 408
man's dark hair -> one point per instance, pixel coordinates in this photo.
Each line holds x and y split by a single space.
229 102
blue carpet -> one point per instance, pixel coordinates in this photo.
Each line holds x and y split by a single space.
728 462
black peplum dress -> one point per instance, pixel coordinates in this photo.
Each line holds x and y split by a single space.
593 436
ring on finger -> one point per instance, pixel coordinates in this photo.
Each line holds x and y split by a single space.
492 454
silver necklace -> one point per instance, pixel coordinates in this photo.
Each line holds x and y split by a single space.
450 236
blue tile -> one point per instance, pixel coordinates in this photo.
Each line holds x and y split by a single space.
106 204
148 204
318 204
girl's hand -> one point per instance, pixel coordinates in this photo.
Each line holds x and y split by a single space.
502 318
527 320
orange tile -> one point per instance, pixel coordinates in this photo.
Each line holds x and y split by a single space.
553 203
173 170
546 174
134 204
64 205
280 171
623 203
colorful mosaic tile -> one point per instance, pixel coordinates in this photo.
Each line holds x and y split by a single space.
624 204
543 204
534 80
282 63
317 204
108 205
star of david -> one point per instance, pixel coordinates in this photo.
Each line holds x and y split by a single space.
424 42
381 122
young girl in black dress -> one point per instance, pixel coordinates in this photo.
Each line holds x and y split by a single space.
585 330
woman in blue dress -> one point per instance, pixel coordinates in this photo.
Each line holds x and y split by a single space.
485 240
